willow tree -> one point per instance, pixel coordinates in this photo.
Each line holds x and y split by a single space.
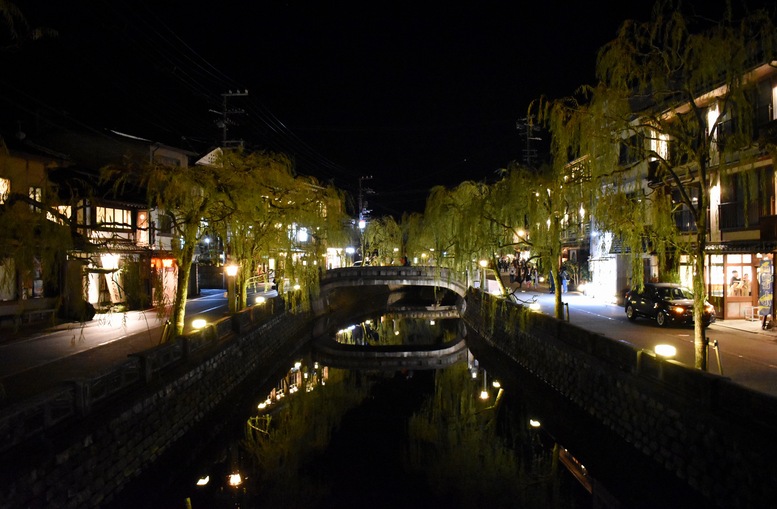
455 222
34 237
384 235
268 211
546 206
187 196
676 91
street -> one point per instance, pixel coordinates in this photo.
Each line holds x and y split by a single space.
748 355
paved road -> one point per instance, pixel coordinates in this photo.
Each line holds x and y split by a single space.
748 354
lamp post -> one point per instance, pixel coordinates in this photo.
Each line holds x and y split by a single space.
483 286
231 271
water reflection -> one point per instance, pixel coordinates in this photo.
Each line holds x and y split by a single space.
386 330
327 437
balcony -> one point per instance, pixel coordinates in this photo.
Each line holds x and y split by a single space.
738 215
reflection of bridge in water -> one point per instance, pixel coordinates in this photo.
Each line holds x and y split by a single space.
393 357
329 352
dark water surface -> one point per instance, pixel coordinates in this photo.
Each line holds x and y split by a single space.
400 439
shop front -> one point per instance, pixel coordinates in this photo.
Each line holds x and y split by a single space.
740 284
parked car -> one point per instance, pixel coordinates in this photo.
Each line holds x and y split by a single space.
665 303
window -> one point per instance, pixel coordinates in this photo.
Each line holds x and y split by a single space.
64 210
683 215
765 103
745 197
36 194
114 218
740 275
165 224
631 150
5 189
659 145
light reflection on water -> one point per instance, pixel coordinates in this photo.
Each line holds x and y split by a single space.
326 437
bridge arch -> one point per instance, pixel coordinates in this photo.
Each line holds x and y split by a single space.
393 277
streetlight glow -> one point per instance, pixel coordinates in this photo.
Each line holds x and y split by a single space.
665 351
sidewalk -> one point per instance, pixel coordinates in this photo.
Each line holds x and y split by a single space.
544 295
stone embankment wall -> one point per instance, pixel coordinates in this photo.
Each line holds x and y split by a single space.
714 435
85 460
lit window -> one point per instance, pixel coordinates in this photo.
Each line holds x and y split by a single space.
712 117
5 188
774 103
659 144
64 210
36 194
114 218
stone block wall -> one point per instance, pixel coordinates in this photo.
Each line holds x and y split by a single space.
712 434
88 462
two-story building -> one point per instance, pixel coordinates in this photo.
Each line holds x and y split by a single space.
120 252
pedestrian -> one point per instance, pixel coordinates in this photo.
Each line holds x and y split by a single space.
564 279
511 271
551 282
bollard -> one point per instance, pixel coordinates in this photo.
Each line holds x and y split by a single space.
714 345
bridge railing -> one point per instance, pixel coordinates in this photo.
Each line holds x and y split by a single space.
420 275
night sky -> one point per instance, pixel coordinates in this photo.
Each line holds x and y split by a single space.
415 94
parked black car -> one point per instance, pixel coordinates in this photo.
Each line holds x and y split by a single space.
665 303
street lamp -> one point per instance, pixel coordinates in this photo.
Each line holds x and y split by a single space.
483 265
231 271
484 392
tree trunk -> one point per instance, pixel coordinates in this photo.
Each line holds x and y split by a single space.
700 296
182 290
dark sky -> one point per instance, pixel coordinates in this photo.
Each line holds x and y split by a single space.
415 94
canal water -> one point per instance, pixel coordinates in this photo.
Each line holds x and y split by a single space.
323 437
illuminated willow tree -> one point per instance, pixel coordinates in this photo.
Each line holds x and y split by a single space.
268 211
456 224
674 98
384 235
187 195
542 207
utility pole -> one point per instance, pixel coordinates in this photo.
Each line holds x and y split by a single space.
526 127
225 120
363 211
